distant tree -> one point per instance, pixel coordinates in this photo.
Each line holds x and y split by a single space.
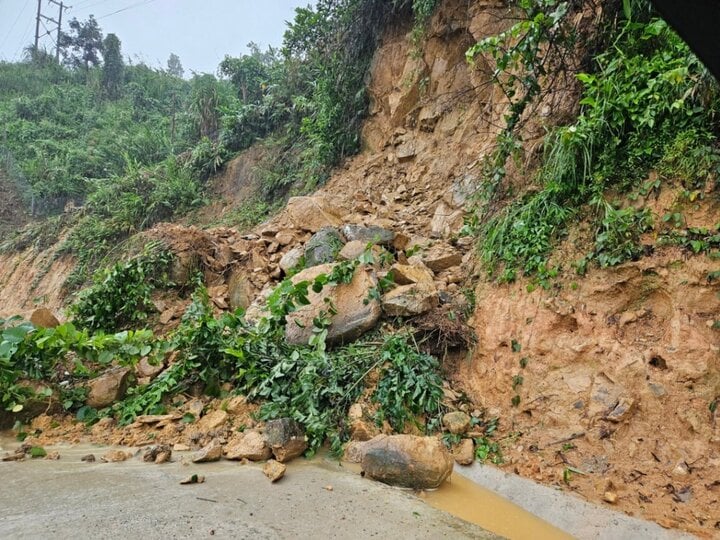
204 104
112 72
249 73
174 66
83 46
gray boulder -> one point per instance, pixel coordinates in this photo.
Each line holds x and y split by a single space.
323 247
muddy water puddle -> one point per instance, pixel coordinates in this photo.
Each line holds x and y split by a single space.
465 499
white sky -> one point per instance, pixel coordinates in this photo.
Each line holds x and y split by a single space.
200 32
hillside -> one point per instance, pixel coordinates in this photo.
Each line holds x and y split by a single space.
532 248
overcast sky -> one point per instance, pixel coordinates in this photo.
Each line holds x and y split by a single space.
200 32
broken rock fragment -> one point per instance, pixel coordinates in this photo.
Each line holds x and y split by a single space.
286 439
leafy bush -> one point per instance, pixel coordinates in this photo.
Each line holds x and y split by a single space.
617 240
410 384
120 296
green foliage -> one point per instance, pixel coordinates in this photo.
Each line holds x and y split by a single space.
60 354
410 385
692 157
647 103
617 240
120 296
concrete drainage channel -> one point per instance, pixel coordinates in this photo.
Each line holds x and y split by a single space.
565 511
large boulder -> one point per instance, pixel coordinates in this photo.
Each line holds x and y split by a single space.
108 388
312 213
286 439
407 461
355 313
250 445
323 247
410 300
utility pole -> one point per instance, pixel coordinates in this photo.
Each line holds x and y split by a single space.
61 7
37 25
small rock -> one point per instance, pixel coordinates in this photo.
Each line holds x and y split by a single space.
328 488
464 453
622 410
194 407
410 300
610 497
212 420
115 456
356 248
407 461
286 439
193 479
17 456
658 390
439 258
156 418
456 422
401 241
405 274
291 259
179 447
89 458
285 237
161 453
145 369
241 292
44 318
248 445
681 469
211 452
237 405
360 430
274 470
53 456
446 221
107 388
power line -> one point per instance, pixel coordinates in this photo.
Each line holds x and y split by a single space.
138 4
12 27
82 5
25 35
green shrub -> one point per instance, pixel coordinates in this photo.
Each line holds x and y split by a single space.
120 295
